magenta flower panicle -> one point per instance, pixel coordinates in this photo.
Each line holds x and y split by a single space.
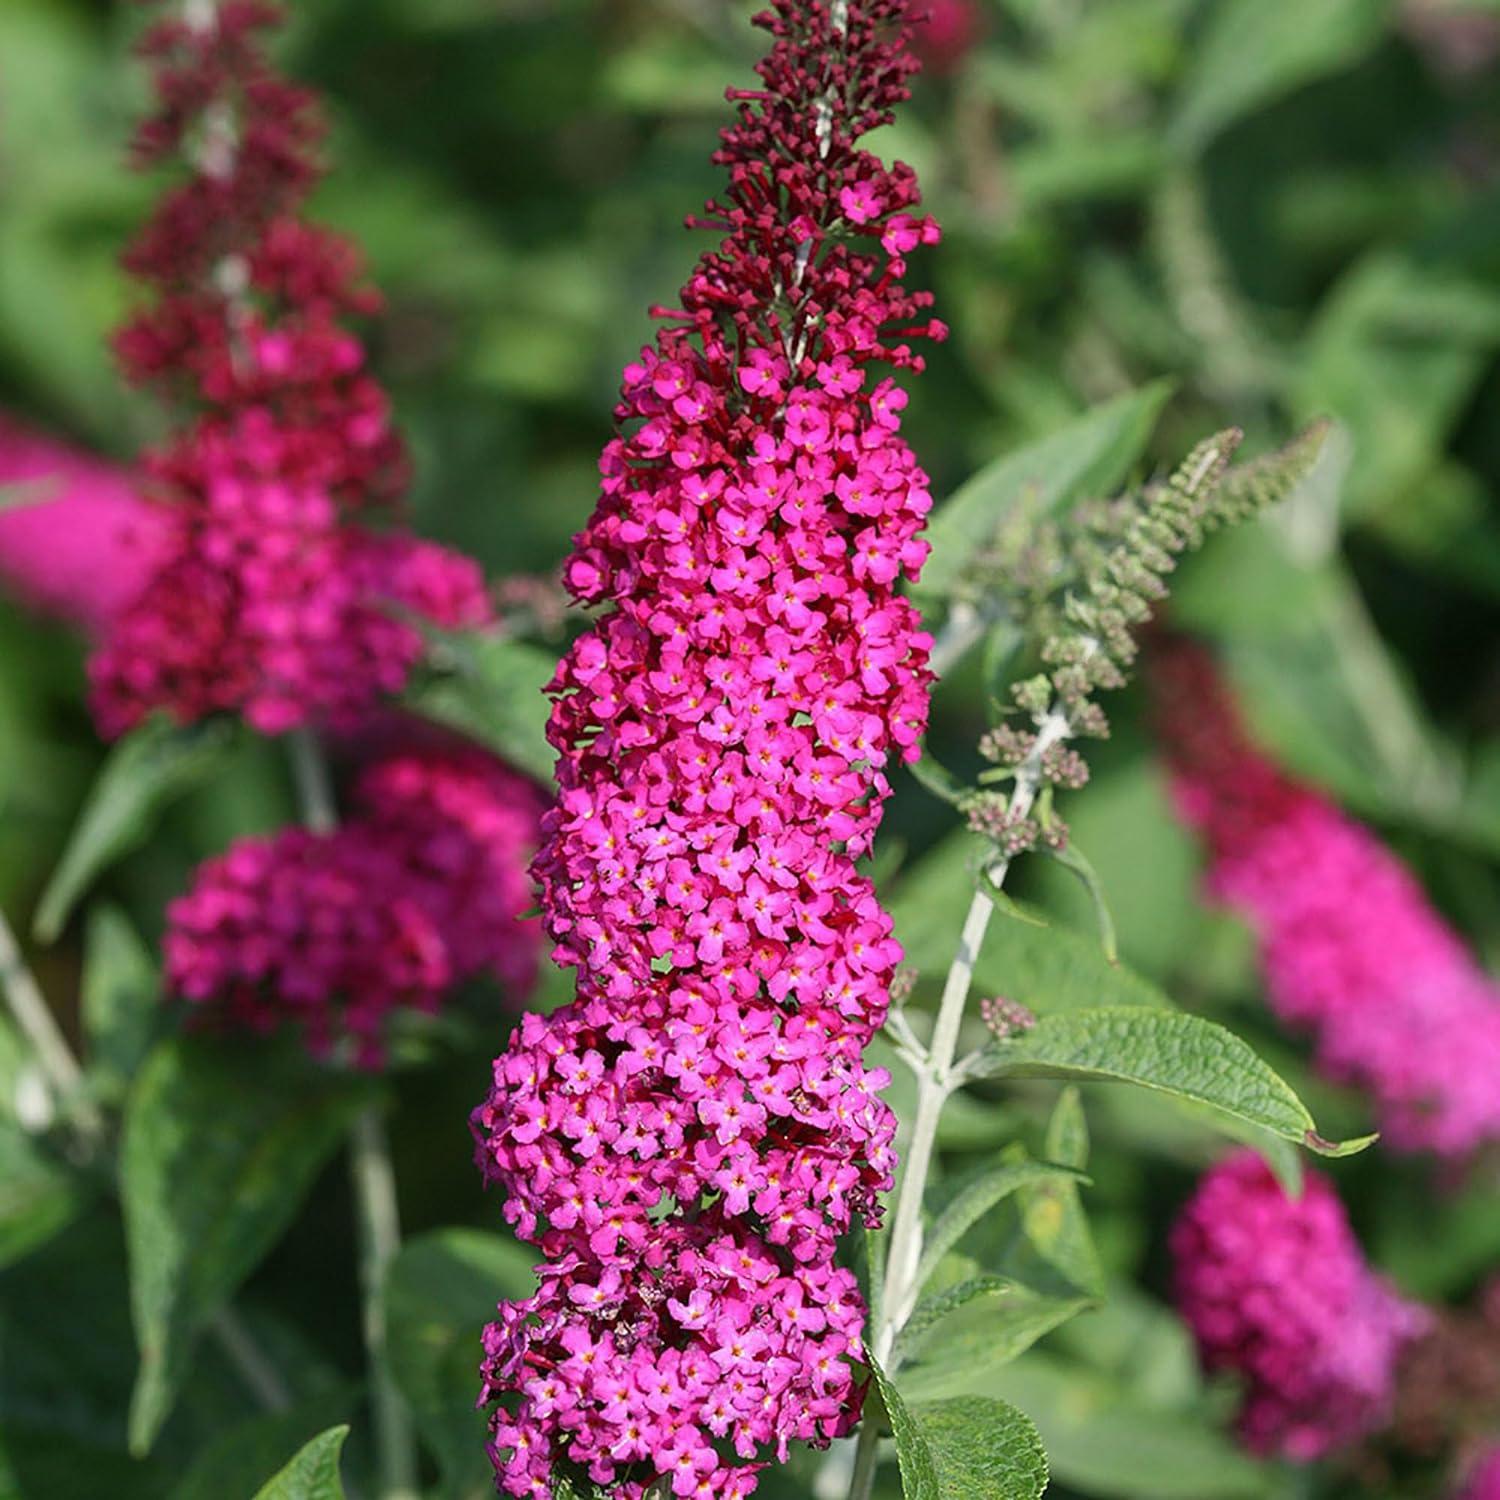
1353 953
1277 1291
424 886
276 599
689 1138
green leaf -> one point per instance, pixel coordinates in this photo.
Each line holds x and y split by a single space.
313 1473
39 1197
1089 456
121 999
1076 862
919 1474
234 1461
974 1201
1052 1215
1104 1439
142 773
440 1292
221 1144
993 1328
492 689
983 1449
1254 51
1172 1053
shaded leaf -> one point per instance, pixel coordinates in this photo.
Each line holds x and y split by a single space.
39 1197
919 1475
121 999
491 688
142 773
439 1293
972 1202
1052 1215
220 1146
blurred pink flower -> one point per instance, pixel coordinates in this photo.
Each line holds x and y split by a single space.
1351 949
77 541
1483 1482
1276 1290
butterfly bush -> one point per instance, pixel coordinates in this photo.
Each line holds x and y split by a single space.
422 887
76 539
277 597
687 1140
1277 1290
1352 951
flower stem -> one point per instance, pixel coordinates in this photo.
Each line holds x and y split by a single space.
935 1082
380 1239
376 1210
32 1014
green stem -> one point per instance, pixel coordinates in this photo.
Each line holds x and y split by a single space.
33 1016
376 1209
380 1239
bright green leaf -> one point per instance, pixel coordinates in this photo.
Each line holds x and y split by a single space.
919 1475
1176 1054
313 1473
144 771
440 1292
1052 1215
983 1449
972 1202
220 1146
238 1458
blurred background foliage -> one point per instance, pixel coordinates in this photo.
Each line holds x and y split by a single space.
1287 208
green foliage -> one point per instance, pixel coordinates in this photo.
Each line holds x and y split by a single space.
121 999
982 1449
219 1151
489 687
439 1293
145 770
39 1195
312 1474
1182 1055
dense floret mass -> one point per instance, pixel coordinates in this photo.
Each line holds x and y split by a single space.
688 1139
422 887
1352 950
1276 1290
275 597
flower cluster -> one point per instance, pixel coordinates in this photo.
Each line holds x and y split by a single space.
1276 1290
422 887
1351 949
688 1139
274 598
1483 1482
76 540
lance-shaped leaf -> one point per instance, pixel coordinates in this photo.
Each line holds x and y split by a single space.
919 1474
220 1146
147 769
1052 1213
121 999
975 1200
313 1474
1168 1051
